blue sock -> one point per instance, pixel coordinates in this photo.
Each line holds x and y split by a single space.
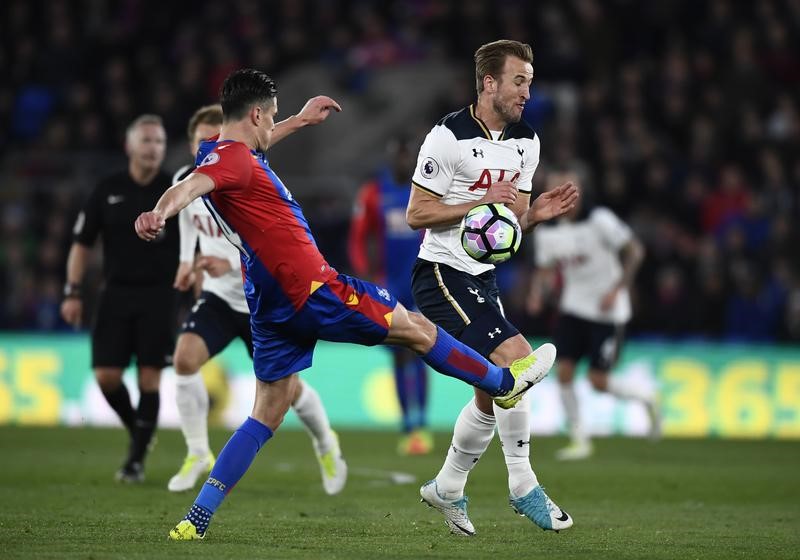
233 461
401 385
421 386
456 359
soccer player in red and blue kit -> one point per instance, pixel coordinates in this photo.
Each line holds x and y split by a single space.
383 248
295 297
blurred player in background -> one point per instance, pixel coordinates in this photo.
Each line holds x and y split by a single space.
221 315
294 295
598 256
482 153
383 249
136 312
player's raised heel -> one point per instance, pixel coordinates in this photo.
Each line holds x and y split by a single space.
185 531
537 506
454 511
333 468
194 466
527 372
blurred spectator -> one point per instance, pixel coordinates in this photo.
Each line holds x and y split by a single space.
684 118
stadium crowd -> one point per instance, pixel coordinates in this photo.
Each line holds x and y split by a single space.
683 117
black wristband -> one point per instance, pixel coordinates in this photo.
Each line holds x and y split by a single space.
72 291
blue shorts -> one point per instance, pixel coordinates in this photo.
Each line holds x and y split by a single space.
345 309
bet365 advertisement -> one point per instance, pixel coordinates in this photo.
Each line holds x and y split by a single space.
704 389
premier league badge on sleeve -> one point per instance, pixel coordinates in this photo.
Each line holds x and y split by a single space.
430 168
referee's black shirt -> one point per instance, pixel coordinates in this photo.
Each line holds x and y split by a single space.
110 211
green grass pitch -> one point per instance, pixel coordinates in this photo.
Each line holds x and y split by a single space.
676 499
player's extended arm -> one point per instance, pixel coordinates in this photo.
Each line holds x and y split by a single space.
426 211
72 306
185 276
632 255
149 224
548 205
313 112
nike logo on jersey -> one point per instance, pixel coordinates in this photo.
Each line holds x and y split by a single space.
219 148
115 198
352 299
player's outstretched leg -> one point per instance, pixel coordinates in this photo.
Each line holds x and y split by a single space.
453 358
271 403
308 407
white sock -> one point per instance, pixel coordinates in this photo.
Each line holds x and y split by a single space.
570 402
514 429
309 409
471 436
623 390
191 397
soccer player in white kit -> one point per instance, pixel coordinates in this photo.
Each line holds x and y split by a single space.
598 257
482 153
220 315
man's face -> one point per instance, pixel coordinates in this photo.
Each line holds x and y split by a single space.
513 89
266 125
203 131
146 145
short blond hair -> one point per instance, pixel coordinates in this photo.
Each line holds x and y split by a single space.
210 114
490 58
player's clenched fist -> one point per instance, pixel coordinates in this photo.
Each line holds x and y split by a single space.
148 225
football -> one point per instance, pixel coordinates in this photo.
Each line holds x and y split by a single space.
490 233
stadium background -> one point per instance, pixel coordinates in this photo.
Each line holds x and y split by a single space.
683 117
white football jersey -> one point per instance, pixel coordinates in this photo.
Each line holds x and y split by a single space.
459 160
587 252
197 224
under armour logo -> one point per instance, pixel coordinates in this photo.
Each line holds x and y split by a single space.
477 295
494 332
521 443
477 152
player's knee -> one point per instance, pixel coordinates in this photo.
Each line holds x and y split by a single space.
108 381
599 380
421 333
566 372
185 363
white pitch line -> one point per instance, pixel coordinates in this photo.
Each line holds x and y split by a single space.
395 477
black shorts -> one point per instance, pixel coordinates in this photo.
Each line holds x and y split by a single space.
134 321
600 342
466 306
217 324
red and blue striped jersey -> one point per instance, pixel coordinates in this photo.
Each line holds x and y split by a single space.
281 263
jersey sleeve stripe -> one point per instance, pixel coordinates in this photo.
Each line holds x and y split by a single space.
427 190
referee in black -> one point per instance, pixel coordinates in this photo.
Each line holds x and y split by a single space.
137 305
